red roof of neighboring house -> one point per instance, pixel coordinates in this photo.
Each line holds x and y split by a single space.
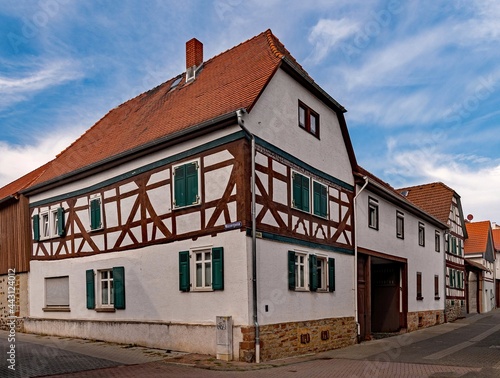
21 183
435 198
496 238
478 237
227 82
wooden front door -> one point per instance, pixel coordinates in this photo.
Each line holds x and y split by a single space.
364 310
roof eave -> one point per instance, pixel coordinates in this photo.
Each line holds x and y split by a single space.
406 205
147 148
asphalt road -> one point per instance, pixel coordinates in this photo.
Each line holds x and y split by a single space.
469 347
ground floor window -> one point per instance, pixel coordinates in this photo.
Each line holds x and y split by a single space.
201 269
310 272
110 288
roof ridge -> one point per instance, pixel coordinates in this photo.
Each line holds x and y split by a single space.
427 184
271 40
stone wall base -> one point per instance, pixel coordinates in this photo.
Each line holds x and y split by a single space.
455 309
192 338
424 319
13 312
296 338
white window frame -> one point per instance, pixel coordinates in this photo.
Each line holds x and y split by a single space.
400 215
373 204
301 260
48 234
437 241
110 289
194 263
172 185
53 222
421 234
324 273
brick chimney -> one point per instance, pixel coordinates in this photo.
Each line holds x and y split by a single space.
194 53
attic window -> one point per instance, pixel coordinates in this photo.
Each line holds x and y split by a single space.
176 83
192 72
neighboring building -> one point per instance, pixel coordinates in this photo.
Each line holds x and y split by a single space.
444 204
15 250
480 266
496 243
400 263
142 227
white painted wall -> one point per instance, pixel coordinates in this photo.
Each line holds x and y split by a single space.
420 259
152 284
285 305
275 119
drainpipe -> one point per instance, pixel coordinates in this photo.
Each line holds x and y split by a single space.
240 113
356 257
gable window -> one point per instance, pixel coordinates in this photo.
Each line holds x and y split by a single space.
419 286
95 212
320 199
436 287
45 225
110 289
300 196
421 234
437 241
56 294
372 213
400 225
186 187
207 267
309 271
308 119
48 224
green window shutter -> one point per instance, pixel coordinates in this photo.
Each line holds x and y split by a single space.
305 193
191 183
119 287
180 186
60 222
90 289
184 284
313 273
36 227
218 268
297 191
291 270
454 245
95 214
331 274
320 199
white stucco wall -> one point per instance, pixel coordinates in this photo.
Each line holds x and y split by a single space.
275 119
285 305
419 259
152 284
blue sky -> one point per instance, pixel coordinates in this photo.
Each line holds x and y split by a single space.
420 80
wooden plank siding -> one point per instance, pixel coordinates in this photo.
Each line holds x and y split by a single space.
15 236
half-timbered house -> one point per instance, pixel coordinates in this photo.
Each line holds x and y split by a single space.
444 203
480 256
225 191
400 265
496 243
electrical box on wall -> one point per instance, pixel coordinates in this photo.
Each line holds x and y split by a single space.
224 336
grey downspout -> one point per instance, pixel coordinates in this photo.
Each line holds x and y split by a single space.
240 113
356 257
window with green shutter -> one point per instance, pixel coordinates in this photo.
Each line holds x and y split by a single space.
184 283
320 199
313 273
90 289
95 213
186 185
36 227
300 192
207 270
331 274
218 268
60 222
291 270
119 287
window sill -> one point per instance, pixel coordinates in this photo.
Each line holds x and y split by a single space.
202 290
105 309
56 309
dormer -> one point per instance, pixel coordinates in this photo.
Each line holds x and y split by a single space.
194 58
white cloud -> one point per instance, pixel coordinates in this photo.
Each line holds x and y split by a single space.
326 34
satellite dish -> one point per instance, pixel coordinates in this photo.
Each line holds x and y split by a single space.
470 217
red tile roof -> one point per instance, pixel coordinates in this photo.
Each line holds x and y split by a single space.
435 198
496 238
21 183
229 81
478 237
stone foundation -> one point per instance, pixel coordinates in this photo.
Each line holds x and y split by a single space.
424 319
455 309
21 301
297 338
